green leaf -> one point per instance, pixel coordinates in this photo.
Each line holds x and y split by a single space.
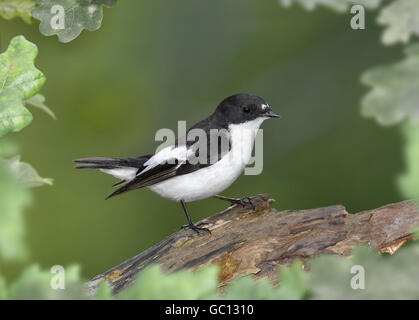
394 277
103 292
402 20
14 197
246 288
409 181
395 90
337 5
19 81
35 283
15 178
10 9
25 173
152 284
291 286
38 101
292 282
78 15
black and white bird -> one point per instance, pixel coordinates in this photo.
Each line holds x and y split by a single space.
193 169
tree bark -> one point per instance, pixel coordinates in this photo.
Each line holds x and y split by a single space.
245 241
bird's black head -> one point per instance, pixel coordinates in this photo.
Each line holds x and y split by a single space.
241 108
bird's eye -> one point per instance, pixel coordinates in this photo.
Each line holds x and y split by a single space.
246 109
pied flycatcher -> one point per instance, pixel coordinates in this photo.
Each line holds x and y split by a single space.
195 169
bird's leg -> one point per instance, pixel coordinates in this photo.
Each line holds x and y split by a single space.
243 201
190 224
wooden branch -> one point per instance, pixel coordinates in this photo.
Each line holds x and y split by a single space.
257 242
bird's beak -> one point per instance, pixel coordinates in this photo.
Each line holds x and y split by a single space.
272 114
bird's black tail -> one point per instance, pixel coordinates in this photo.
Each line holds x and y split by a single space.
111 163
124 169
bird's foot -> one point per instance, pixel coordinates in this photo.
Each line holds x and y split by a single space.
243 202
195 228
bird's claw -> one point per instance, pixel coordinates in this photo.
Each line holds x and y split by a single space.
195 228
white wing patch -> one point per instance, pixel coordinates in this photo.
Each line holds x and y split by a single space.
168 154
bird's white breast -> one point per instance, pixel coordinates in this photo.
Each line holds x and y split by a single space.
211 180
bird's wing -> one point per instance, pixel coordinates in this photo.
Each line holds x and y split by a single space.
170 155
162 166
177 160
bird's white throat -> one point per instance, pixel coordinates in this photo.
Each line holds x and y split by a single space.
242 137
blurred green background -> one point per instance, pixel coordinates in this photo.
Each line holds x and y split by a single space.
155 62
